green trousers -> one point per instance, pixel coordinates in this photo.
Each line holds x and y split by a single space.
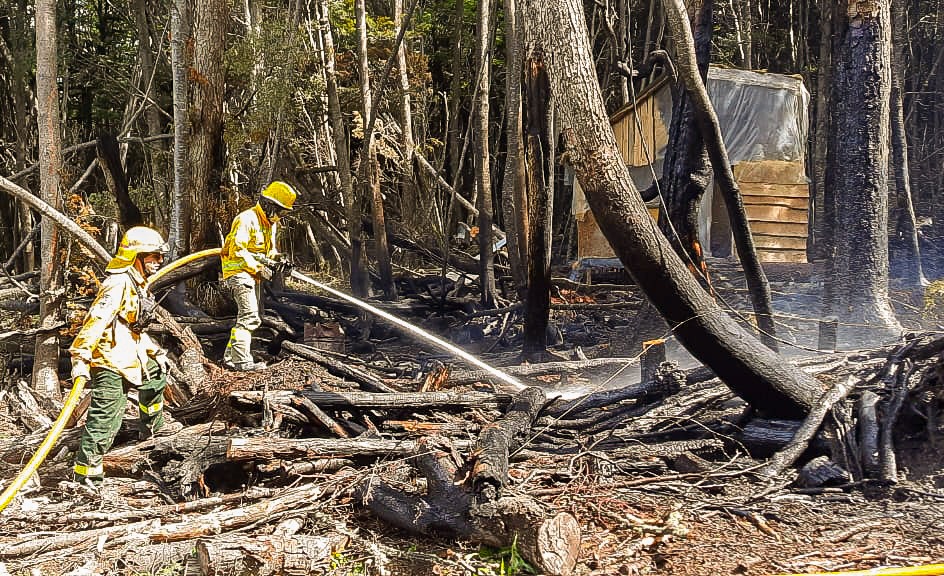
103 421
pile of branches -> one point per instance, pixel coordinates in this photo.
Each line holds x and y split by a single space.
271 465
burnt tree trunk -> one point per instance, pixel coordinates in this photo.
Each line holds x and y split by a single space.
710 130
538 300
858 174
514 171
752 370
687 172
109 158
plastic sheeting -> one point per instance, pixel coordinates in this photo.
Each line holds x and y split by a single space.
763 116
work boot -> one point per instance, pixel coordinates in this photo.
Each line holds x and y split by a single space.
168 428
245 366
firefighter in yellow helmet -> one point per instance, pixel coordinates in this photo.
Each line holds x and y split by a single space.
249 256
114 353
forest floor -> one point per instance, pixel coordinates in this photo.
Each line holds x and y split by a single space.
716 518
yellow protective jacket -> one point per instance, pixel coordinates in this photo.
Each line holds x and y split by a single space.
106 339
252 235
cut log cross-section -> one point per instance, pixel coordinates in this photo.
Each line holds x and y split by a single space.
475 510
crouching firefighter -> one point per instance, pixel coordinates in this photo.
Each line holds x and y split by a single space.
248 257
114 353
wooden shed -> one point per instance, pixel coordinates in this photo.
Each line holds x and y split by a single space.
764 124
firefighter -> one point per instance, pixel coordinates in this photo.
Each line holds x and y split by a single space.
248 257
114 353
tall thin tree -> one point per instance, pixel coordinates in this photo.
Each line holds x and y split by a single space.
178 228
482 161
46 363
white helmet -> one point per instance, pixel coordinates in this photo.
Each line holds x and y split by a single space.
137 240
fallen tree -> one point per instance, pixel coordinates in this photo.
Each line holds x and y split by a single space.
751 369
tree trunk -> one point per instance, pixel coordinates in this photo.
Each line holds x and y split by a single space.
157 151
536 149
45 367
21 93
858 168
511 179
178 228
483 176
109 159
823 212
710 130
360 283
686 173
414 208
753 371
210 22
370 167
906 228
338 130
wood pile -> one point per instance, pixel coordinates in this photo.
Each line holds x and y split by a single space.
279 472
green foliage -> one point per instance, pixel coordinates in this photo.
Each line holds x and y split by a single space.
934 302
508 559
341 564
174 568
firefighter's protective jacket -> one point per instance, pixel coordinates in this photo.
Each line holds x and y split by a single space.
249 244
106 339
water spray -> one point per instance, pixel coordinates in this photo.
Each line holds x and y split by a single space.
514 383
451 348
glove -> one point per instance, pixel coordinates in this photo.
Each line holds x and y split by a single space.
163 361
265 273
80 368
284 267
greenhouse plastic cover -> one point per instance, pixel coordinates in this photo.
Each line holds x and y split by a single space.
763 116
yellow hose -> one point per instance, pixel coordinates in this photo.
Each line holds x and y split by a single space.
58 426
926 570
182 261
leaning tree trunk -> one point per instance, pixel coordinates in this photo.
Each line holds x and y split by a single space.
710 129
482 169
210 21
906 226
537 93
753 371
45 366
858 168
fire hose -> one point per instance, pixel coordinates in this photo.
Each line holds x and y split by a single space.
58 426
79 384
926 570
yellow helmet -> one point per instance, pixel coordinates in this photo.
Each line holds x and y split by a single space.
280 193
137 240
